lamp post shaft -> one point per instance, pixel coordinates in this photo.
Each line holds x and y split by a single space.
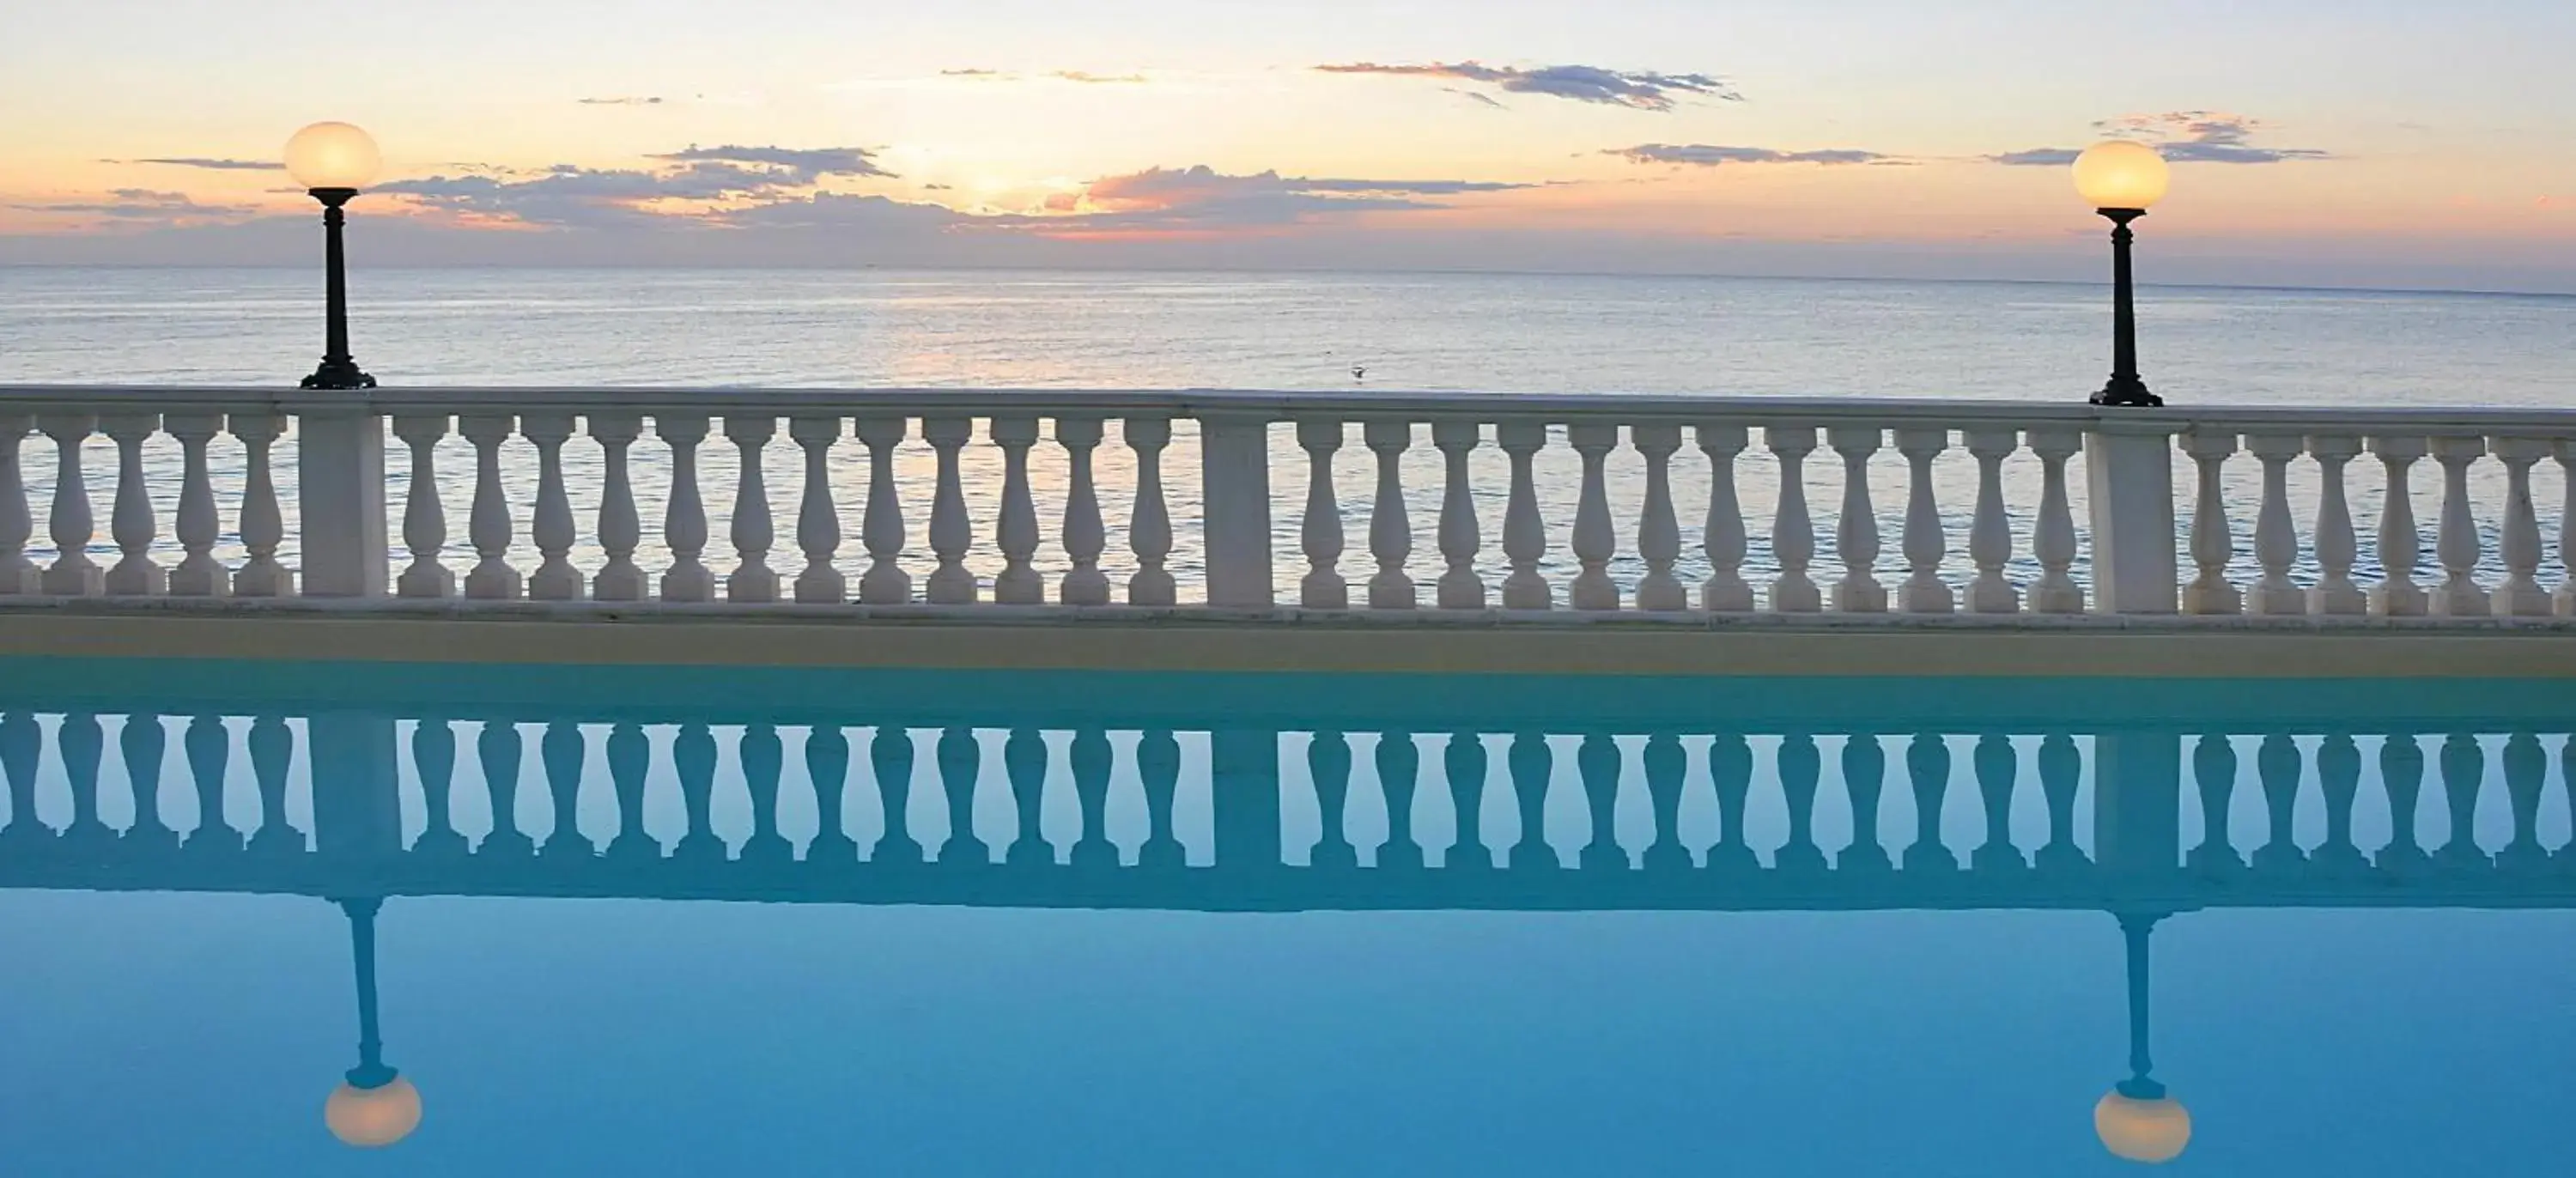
339 369
371 1071
2125 387
2138 930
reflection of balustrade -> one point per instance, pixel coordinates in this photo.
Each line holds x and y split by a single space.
1530 453
1768 847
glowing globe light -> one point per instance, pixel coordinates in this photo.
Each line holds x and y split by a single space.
2119 174
2149 1131
333 155
372 1118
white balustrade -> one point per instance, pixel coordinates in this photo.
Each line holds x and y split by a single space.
1558 453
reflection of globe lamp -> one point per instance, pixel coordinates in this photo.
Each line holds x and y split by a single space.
374 1106
2120 180
333 161
2137 1119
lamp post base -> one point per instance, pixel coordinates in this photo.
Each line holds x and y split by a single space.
2130 392
339 374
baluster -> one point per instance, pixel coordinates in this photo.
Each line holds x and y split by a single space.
2335 594
752 579
1158 768
630 757
2339 779
199 574
433 755
2061 769
555 578
1092 759
1461 587
22 749
2521 595
2053 537
1024 762
882 527
2276 538
620 527
272 749
2213 543
2397 595
1730 769
1864 781
209 747
1462 761
144 742
134 522
1927 545
2526 768
424 516
2213 770
827 769
2279 765
489 527
2401 766
1399 769
82 745
1927 762
562 751
2457 544
818 519
1793 537
1017 530
1722 533
73 573
2566 599
764 760
1596 764
1990 540
1665 764
263 527
1530 763
1323 587
693 761
1659 530
890 762
684 518
1328 763
951 533
1801 767
18 575
499 748
1996 765
1149 528
1390 529
2464 771
1524 533
961 764
1085 537
1594 542
1856 533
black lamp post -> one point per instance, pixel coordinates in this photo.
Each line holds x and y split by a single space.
2121 179
374 1106
2138 1120
333 161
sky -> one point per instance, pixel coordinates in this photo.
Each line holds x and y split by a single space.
2361 142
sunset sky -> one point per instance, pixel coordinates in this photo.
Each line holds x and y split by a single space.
2356 142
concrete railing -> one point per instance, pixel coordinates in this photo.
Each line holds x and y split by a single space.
1999 508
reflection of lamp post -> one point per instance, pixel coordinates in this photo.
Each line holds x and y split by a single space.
332 161
375 1106
2137 1119
2122 179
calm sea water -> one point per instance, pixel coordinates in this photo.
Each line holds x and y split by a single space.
1287 331
1037 998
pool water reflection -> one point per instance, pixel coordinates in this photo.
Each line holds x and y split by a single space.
1210 925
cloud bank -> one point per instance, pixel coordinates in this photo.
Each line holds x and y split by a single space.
2183 137
1710 156
1634 89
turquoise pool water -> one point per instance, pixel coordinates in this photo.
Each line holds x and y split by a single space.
1067 924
